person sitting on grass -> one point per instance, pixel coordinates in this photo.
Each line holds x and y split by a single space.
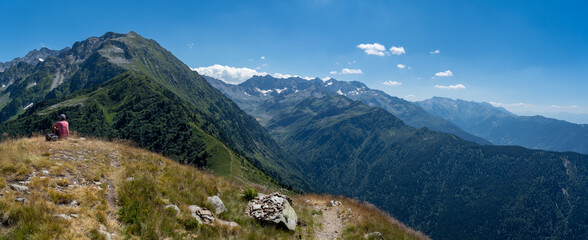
61 128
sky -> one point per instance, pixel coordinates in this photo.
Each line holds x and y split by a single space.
530 57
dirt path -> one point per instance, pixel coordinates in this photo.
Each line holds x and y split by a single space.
232 159
332 226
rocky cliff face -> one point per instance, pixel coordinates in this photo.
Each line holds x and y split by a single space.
33 57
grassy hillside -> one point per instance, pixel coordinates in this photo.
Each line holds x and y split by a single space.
121 190
435 182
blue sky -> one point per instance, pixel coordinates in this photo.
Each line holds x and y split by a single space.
529 56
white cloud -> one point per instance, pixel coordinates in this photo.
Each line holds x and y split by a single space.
409 96
262 57
279 75
435 52
326 79
397 50
347 71
392 83
401 66
233 75
444 74
190 45
373 49
228 74
351 71
457 86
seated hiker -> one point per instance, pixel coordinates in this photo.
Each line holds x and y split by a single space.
61 128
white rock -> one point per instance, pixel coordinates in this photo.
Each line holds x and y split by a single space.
62 216
18 187
174 207
218 204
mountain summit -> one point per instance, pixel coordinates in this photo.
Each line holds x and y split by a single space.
125 86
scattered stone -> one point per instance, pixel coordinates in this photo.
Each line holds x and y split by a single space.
97 183
45 172
218 204
202 215
20 199
227 223
18 187
174 207
106 234
130 179
74 215
74 203
334 203
62 216
58 164
274 208
374 235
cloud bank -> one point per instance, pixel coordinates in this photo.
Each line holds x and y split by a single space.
234 75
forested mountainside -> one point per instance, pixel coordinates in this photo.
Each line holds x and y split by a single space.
504 128
435 182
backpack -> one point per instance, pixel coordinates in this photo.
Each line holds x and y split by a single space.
51 137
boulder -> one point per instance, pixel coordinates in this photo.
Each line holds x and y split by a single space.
174 207
227 223
335 203
218 204
274 208
202 215
374 235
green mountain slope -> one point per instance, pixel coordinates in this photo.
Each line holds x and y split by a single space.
126 86
504 128
435 182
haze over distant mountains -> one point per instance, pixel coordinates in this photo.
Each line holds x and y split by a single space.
264 96
505 128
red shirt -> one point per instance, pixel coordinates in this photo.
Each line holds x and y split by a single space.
62 129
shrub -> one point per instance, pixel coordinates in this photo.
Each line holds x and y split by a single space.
249 193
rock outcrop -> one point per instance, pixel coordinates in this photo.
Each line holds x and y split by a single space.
218 204
274 208
202 215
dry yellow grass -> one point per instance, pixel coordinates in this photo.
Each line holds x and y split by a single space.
116 188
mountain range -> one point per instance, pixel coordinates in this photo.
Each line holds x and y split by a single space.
502 127
264 96
319 136
128 87
435 182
